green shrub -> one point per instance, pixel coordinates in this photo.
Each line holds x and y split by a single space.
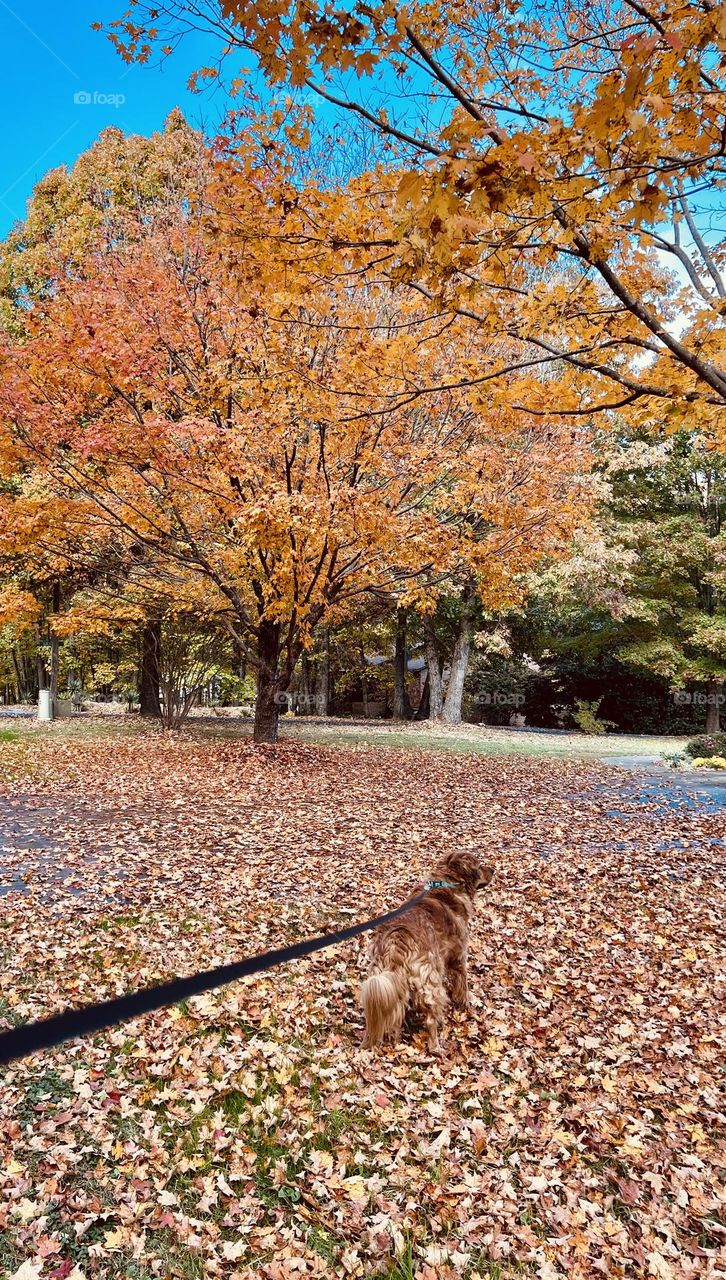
586 717
707 744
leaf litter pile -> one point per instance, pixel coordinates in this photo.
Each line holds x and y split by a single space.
574 1126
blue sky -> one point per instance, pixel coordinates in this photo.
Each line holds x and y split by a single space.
50 56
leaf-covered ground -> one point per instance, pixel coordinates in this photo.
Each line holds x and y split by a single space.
575 1127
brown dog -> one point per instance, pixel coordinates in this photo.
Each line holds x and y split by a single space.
417 963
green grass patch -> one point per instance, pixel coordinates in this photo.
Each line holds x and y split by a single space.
113 922
176 1260
482 1267
8 1014
235 1104
322 1243
481 741
404 1266
46 1087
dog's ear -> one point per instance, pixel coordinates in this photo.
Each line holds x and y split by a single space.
467 869
486 874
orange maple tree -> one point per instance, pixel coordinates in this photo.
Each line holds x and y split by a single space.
269 454
556 170
50 545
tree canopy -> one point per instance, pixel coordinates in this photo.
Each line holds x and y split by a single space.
181 416
554 171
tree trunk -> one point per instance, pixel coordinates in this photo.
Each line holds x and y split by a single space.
714 691
29 671
459 665
54 673
424 707
20 683
267 704
364 680
401 702
55 653
150 674
322 679
434 677
303 696
40 666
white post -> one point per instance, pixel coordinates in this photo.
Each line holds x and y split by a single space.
45 707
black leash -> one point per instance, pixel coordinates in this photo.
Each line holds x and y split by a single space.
22 1041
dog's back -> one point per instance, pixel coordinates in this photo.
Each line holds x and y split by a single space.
419 960
407 970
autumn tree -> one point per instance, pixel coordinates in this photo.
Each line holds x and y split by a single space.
115 190
558 171
112 194
289 451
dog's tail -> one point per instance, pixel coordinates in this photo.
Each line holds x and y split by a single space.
383 997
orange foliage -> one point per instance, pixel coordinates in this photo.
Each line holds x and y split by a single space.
552 172
205 416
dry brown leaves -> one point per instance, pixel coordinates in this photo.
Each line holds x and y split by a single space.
574 1128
